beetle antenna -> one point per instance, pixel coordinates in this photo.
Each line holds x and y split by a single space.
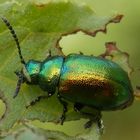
20 81
15 38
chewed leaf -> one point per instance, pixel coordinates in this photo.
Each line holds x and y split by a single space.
39 29
118 56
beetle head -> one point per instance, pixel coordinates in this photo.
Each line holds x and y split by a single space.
31 71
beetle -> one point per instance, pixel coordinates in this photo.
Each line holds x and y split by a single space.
90 81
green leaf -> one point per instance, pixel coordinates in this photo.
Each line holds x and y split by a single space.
39 29
29 132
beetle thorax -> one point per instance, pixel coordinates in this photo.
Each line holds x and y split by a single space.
50 73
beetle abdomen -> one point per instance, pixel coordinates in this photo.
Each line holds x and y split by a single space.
95 82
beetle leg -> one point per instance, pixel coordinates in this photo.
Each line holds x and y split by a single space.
35 101
78 107
20 81
64 104
38 99
97 119
93 118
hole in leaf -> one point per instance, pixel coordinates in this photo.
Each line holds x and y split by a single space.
2 108
80 42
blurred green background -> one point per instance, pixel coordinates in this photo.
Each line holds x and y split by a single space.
119 125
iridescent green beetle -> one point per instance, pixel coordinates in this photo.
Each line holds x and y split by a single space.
84 80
